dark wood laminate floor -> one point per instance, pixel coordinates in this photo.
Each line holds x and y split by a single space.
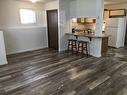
47 72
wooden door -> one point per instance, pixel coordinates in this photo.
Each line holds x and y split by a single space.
52 22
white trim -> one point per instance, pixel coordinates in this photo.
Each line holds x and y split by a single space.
22 27
96 55
21 51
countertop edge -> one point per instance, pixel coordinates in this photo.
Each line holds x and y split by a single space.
89 35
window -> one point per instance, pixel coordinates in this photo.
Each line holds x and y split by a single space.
27 16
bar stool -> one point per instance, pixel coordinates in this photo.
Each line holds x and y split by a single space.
83 47
72 45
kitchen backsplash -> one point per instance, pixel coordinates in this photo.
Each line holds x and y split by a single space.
79 26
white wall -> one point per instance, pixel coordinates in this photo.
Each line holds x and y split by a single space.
51 5
3 59
18 37
81 8
88 9
64 23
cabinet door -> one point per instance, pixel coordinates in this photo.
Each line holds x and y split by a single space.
117 13
86 20
106 15
89 20
80 20
104 45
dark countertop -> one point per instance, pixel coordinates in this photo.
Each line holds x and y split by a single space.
88 35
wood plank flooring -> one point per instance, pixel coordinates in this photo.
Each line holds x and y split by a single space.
47 72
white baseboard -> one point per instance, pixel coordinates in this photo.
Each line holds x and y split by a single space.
62 49
21 51
96 55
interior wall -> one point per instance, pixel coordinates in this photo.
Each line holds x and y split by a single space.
52 5
49 6
81 8
64 23
18 37
88 9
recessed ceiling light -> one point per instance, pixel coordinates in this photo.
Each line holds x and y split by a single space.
33 1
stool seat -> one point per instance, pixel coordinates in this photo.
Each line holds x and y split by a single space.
83 47
72 45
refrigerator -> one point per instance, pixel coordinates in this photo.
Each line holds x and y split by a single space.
116 28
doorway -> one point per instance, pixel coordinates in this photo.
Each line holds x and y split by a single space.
52 24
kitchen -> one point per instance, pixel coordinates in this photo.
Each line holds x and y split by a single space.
39 70
115 25
113 29
84 29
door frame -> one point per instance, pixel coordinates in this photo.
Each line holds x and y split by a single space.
57 27
125 41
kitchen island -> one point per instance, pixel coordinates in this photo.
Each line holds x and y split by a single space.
92 37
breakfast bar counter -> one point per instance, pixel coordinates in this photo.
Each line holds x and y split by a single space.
90 36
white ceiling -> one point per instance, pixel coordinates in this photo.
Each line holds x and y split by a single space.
115 1
40 1
43 1
106 1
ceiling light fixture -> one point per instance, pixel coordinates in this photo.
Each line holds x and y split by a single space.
33 1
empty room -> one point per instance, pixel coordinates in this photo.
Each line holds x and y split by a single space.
63 47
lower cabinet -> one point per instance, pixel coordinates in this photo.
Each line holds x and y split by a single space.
104 45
